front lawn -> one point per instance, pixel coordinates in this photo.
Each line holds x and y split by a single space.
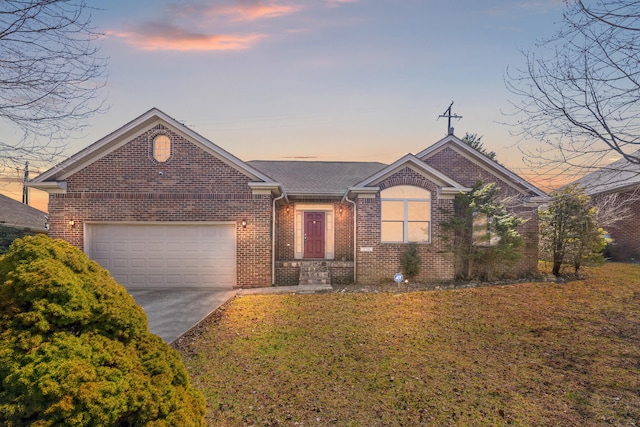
533 354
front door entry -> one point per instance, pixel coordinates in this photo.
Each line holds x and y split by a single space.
314 235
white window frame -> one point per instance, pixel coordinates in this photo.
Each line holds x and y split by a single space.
406 221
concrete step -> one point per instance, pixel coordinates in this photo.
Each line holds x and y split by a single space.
314 273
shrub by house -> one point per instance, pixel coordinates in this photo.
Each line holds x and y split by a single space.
75 348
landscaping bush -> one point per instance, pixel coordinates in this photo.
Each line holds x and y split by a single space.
410 261
75 348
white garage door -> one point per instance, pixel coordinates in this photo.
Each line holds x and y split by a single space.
165 255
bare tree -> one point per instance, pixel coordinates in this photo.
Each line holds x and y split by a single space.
580 90
614 208
50 76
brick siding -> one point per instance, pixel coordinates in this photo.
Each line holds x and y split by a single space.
383 261
467 173
626 234
126 185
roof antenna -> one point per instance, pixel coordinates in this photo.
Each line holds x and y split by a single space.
448 115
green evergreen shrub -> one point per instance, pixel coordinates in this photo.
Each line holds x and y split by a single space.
75 348
410 261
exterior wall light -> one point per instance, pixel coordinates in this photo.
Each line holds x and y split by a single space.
72 223
244 223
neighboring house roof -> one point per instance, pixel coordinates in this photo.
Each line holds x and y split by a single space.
483 161
52 179
317 178
618 176
19 215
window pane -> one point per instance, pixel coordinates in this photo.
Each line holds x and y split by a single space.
392 231
480 230
392 210
419 211
405 192
161 148
419 231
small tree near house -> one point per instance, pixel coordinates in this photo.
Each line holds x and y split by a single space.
410 261
569 230
482 234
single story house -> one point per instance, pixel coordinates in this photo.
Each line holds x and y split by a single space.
622 180
157 204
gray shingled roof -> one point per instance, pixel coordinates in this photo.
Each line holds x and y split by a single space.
619 175
19 215
316 178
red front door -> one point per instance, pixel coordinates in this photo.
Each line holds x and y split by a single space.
314 234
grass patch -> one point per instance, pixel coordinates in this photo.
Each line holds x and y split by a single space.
532 354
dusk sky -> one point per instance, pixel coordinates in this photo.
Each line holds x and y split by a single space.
319 79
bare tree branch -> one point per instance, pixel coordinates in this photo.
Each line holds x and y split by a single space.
579 93
50 76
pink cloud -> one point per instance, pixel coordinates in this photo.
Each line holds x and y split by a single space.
246 11
259 11
165 37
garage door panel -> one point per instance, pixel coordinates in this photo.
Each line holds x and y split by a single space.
155 262
138 247
173 263
164 255
138 263
155 279
120 263
191 263
138 279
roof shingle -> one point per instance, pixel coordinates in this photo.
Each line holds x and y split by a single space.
316 178
19 215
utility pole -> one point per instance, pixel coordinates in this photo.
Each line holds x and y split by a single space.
449 116
25 189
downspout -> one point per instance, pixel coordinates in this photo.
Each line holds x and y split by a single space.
273 238
355 233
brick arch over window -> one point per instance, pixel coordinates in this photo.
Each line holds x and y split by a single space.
408 176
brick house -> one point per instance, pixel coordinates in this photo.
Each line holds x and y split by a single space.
159 205
620 178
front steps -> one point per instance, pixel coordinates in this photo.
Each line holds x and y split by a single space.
314 273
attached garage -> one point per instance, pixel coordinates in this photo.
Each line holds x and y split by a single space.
165 255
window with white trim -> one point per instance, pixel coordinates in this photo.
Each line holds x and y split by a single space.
161 148
406 214
482 232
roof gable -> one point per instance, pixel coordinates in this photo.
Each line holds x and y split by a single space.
482 161
409 160
128 132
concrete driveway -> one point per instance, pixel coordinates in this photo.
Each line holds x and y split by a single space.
172 312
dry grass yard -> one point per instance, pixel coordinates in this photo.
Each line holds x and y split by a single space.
529 354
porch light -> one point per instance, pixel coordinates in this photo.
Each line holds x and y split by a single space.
244 223
72 223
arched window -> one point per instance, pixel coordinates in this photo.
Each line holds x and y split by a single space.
406 214
161 148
